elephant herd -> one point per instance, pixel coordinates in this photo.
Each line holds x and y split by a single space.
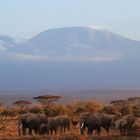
40 124
88 123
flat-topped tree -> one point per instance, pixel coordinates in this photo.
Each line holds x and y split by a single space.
47 99
134 100
22 103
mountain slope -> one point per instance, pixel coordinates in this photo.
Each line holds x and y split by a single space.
85 43
6 42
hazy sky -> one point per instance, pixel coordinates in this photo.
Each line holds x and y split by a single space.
25 18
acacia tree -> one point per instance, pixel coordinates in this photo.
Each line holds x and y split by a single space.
47 99
22 104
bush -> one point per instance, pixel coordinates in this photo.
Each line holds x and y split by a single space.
109 110
77 108
136 110
35 109
125 110
55 110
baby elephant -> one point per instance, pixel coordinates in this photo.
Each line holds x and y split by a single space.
44 129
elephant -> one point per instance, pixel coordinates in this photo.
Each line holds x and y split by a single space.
107 121
44 129
91 122
121 125
124 125
96 122
31 122
130 121
52 125
63 123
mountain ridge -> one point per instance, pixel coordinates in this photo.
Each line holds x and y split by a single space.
73 42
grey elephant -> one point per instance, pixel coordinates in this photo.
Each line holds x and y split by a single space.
121 125
52 125
31 122
125 124
63 123
107 121
91 122
44 129
130 121
96 122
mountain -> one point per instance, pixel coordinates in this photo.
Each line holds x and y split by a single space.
79 43
72 58
6 42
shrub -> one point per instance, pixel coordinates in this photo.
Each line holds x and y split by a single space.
55 110
36 109
136 110
109 109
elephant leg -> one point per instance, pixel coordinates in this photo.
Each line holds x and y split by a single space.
81 131
19 132
98 131
47 131
30 131
89 131
24 130
55 131
64 129
51 131
36 131
129 129
61 129
107 129
121 132
19 129
68 128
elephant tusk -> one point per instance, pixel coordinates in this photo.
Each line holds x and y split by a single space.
20 126
82 125
77 125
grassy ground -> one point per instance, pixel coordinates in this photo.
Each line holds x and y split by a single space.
72 137
9 131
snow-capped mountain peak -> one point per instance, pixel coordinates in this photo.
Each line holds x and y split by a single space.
96 27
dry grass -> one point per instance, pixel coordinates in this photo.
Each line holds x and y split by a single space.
8 131
71 137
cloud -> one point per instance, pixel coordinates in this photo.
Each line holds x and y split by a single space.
97 58
29 57
86 58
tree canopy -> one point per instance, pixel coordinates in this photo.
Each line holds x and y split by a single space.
47 99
